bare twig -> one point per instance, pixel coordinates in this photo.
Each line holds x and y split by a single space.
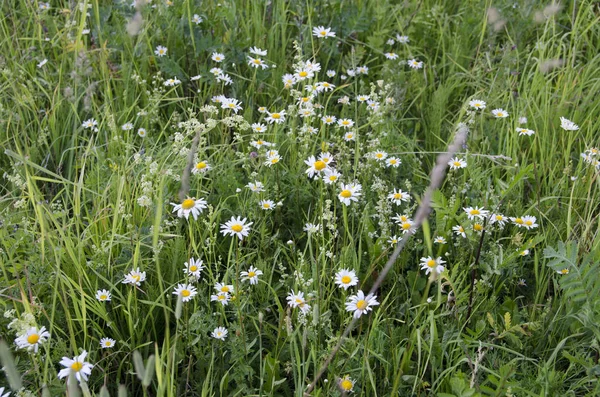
437 176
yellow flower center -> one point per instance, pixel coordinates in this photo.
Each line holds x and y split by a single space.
136 277
519 221
349 136
379 155
188 204
346 279
345 122
299 301
256 61
251 274
474 212
193 268
332 177
328 119
201 165
528 223
320 165
33 339
499 114
76 366
185 293
461 229
266 205
346 384
305 99
477 105
397 196
431 263
457 164
406 226
274 160
323 33
103 297
276 116
326 85
107 343
362 304
392 161
346 193
217 58
303 74
499 217
477 227
237 228
565 271
221 297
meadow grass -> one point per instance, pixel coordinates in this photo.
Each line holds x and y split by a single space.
103 135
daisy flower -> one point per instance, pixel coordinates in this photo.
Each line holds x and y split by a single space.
251 275
76 366
345 123
197 19
563 272
331 176
189 206
402 39
524 131
362 70
459 231
258 51
413 63
217 57
201 167
311 228
330 73
379 155
328 119
316 167
349 193
346 384
394 240
91 123
500 113
219 333
256 186
529 222
258 127
288 80
346 278
477 104
193 267
391 55
185 291
236 227
107 343
322 32
456 163
142 132
161 51
499 219
398 196
32 339
350 136
439 240
568 125
231 104
273 157
432 265
127 126
361 304
135 277
103 295
276 117
393 162
266 205
475 212
257 63
297 300
222 297
172 82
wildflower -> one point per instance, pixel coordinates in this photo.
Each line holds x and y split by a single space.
127 126
197 19
330 73
256 186
406 224
330 176
529 222
221 297
273 157
236 226
456 163
303 73
344 100
201 167
107 343
217 57
258 127
258 51
232 104
346 384
325 86
193 267
439 240
196 77
328 119
44 6
346 278
459 231
379 155
525 131
172 82
349 193
564 271
297 300
475 212
216 71
391 55
393 162
276 117
161 51
500 113
362 70
316 167
402 39
349 136
372 105
288 80
322 32
398 196
103 295
522 120
32 339
91 123
76 366
477 104
311 228
360 304
393 240
185 291
525 252
251 275
432 265
346 123
568 125
266 205
499 219
257 63
477 227
362 98
413 63
189 205
521 282
220 333
225 79
142 132
135 277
